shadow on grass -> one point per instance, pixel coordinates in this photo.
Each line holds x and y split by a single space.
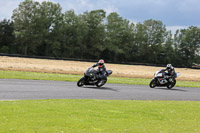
100 88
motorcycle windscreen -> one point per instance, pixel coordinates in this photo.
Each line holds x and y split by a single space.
177 74
109 72
89 70
159 75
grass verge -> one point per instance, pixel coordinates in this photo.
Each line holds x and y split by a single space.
75 78
108 116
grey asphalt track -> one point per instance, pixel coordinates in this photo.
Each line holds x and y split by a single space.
16 89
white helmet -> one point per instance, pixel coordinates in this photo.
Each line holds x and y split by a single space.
169 66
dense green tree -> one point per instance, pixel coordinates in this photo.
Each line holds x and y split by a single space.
156 37
187 42
7 37
37 27
24 23
168 53
42 29
119 38
140 40
128 42
74 32
49 24
94 41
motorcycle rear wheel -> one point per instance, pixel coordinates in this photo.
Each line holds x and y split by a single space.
101 83
81 82
171 85
153 83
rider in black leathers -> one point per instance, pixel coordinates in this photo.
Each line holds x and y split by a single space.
170 72
101 68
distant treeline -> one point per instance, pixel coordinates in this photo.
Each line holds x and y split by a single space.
41 29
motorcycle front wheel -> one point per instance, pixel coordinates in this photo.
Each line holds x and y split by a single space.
153 83
81 82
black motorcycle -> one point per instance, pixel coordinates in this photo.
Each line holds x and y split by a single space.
162 79
93 77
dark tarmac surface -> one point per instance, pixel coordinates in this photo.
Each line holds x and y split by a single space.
16 89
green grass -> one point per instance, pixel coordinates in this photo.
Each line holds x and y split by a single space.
75 78
107 116
38 76
94 116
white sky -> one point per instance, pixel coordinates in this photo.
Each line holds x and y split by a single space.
175 14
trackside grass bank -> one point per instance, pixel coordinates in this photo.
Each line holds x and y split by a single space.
75 78
108 116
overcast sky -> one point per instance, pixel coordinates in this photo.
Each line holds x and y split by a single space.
175 14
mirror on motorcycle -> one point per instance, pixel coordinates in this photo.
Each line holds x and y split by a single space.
177 74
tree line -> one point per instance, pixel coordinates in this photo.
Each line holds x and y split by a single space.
42 29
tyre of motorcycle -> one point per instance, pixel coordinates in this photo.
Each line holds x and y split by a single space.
101 82
81 82
172 84
153 83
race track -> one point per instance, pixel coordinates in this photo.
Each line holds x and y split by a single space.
16 89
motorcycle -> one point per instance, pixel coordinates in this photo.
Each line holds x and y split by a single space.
93 77
162 79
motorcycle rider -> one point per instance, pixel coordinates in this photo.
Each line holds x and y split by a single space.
171 74
101 68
